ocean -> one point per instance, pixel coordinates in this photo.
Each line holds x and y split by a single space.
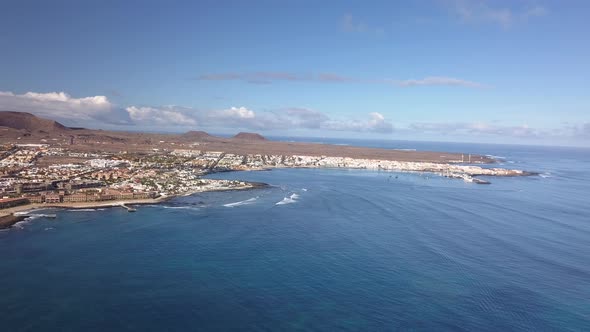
320 250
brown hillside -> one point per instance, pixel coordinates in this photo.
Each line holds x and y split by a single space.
29 122
250 136
198 136
24 128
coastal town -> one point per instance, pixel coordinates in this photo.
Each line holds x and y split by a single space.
46 164
45 175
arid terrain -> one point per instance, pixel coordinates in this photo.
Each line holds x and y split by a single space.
24 128
44 163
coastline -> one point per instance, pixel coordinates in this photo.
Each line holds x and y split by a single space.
6 221
465 172
6 213
8 217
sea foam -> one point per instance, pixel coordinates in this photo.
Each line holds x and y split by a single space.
245 202
288 200
184 207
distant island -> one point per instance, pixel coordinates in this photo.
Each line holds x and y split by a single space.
44 163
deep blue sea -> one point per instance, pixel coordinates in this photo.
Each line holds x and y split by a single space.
322 250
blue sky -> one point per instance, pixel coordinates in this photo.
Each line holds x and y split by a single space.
451 70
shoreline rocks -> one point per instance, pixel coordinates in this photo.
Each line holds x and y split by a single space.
9 220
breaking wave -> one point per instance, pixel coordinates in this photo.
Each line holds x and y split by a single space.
39 215
26 213
31 217
180 207
21 224
288 200
495 157
245 202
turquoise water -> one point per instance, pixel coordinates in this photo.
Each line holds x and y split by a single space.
319 250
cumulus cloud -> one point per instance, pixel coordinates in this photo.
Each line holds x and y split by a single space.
233 117
379 123
62 106
376 123
234 112
244 118
167 115
489 12
438 80
90 111
303 117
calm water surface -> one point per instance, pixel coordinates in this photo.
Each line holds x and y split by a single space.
320 250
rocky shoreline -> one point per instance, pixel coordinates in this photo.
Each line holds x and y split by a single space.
8 221
9 217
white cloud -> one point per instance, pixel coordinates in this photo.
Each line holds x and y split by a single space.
376 123
302 117
168 115
244 118
235 112
57 105
96 110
